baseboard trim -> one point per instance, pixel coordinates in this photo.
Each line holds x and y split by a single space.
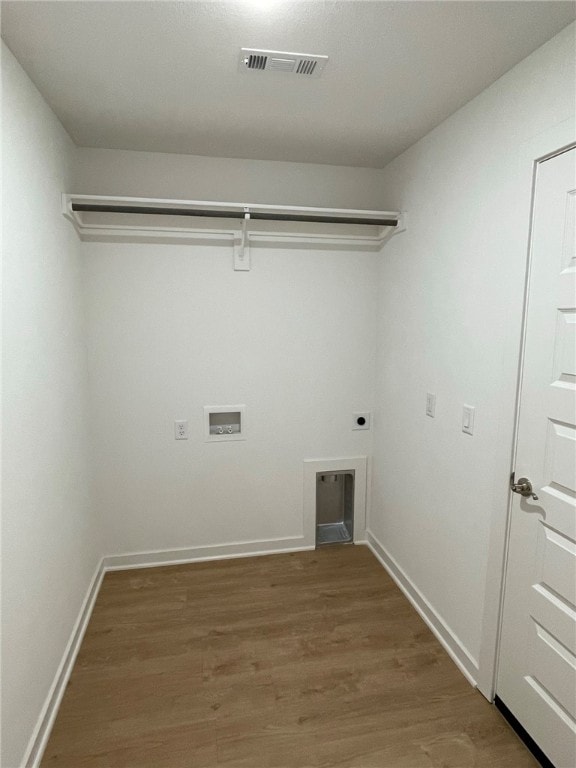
159 558
450 642
39 739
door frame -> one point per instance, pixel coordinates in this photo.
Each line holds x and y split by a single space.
539 148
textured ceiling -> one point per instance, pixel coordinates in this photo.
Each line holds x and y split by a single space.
162 76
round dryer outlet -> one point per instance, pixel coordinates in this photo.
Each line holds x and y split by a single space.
361 420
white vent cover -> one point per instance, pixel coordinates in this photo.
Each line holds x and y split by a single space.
256 60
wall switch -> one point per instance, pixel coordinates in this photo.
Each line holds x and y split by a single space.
468 419
430 405
361 420
181 430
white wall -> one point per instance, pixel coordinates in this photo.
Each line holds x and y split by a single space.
189 177
450 310
49 544
173 328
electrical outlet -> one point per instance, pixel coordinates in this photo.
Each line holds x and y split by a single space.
181 430
430 405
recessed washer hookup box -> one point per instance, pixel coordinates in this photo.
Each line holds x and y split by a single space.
224 422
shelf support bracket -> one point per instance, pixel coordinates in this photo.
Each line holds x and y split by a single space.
242 251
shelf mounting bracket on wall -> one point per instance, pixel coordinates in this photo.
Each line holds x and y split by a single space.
242 251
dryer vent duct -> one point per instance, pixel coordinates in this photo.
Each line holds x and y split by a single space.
306 64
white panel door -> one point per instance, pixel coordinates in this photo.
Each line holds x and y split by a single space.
537 663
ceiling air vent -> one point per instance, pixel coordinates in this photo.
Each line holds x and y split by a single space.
307 65
254 61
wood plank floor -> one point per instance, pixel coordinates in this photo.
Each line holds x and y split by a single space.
288 661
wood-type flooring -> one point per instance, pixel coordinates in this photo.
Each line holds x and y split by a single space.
297 660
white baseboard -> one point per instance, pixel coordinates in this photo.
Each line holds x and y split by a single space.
205 552
465 662
39 739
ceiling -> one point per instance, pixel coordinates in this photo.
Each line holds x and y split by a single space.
163 76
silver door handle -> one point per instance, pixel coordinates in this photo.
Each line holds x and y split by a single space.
523 487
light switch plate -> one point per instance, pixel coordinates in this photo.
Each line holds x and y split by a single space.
361 420
468 419
430 404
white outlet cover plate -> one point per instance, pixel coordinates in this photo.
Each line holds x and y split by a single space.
364 415
181 429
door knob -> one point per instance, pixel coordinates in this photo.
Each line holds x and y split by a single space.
523 487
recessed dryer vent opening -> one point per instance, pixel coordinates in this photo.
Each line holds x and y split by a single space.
334 507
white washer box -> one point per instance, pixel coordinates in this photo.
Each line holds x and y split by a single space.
224 422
